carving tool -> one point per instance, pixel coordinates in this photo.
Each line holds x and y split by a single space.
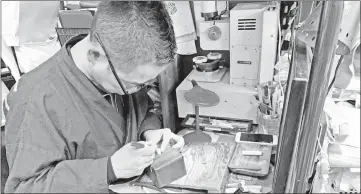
260 93
219 130
265 109
266 95
239 190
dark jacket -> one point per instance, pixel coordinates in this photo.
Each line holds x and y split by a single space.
60 130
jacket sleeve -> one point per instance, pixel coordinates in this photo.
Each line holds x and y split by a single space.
152 119
39 156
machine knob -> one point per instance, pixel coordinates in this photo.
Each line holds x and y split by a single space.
214 33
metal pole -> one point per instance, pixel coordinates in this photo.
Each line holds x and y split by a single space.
325 48
291 116
197 117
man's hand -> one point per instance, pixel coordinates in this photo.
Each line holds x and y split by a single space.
130 161
164 135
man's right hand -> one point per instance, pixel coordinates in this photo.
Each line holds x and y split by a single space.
130 161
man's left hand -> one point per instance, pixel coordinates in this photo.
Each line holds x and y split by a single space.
166 136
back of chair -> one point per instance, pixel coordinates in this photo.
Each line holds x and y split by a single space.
75 18
73 23
64 34
89 4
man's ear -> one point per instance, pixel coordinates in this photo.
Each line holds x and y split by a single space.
93 56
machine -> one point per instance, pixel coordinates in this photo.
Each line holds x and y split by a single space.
250 34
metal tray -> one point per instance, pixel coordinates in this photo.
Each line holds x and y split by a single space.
244 125
251 165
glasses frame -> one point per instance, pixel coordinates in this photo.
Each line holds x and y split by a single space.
125 91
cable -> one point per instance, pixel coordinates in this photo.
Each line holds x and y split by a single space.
334 77
282 39
339 64
223 12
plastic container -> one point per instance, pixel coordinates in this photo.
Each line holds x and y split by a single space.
269 123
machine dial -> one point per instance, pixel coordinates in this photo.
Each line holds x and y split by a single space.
214 33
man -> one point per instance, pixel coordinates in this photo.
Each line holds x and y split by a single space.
62 135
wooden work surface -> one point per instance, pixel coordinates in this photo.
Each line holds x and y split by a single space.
266 182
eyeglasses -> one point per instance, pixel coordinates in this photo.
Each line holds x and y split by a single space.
125 91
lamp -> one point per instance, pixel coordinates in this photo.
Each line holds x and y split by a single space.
199 96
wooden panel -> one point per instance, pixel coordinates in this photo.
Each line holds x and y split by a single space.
292 115
168 81
325 50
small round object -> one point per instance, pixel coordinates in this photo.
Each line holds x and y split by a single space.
214 56
214 33
200 59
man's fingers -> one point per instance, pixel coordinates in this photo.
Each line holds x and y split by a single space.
179 140
149 143
165 141
146 151
148 162
147 159
145 162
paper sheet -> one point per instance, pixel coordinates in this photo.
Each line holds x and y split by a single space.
186 48
181 16
352 116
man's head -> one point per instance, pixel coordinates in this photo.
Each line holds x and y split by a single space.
138 38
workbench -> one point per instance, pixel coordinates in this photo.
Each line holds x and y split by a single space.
266 182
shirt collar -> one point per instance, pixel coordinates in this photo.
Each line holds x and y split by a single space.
70 43
74 74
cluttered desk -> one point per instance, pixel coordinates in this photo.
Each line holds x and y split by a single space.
212 167
230 115
220 156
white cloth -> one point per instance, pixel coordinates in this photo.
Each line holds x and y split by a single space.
4 93
32 55
350 24
29 27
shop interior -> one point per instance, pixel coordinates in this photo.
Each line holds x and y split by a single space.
266 94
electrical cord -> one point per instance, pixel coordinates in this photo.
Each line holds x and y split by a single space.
334 77
282 37
339 64
222 13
